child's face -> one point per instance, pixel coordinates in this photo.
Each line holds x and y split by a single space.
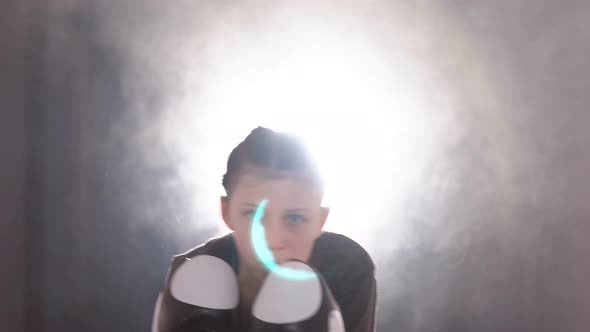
293 217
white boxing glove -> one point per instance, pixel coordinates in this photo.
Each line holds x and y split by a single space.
202 296
294 298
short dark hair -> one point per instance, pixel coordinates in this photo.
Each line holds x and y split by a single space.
271 151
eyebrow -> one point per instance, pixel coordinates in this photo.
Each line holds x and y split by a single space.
250 205
297 210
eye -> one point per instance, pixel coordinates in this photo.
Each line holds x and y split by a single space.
248 213
294 219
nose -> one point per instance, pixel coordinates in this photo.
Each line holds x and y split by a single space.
274 235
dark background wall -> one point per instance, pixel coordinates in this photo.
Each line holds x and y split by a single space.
13 152
498 226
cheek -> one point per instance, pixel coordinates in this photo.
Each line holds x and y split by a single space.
243 238
241 235
241 227
246 251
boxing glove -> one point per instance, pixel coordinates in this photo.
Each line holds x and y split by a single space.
294 297
203 297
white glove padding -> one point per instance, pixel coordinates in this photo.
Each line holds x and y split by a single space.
293 304
204 291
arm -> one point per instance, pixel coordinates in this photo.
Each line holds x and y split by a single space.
367 321
161 317
169 312
350 272
359 310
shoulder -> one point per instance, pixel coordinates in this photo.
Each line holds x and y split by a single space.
349 272
340 252
220 246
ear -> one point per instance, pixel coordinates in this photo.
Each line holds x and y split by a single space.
324 212
225 212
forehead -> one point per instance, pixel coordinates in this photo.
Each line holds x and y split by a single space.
285 187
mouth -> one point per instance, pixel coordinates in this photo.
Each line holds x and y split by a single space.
281 257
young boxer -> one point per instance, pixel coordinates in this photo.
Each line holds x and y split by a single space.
276 167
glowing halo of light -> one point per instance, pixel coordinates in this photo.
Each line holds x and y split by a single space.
264 254
374 87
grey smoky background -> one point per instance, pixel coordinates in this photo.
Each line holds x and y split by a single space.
113 146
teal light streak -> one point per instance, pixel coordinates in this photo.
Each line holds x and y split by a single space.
263 251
